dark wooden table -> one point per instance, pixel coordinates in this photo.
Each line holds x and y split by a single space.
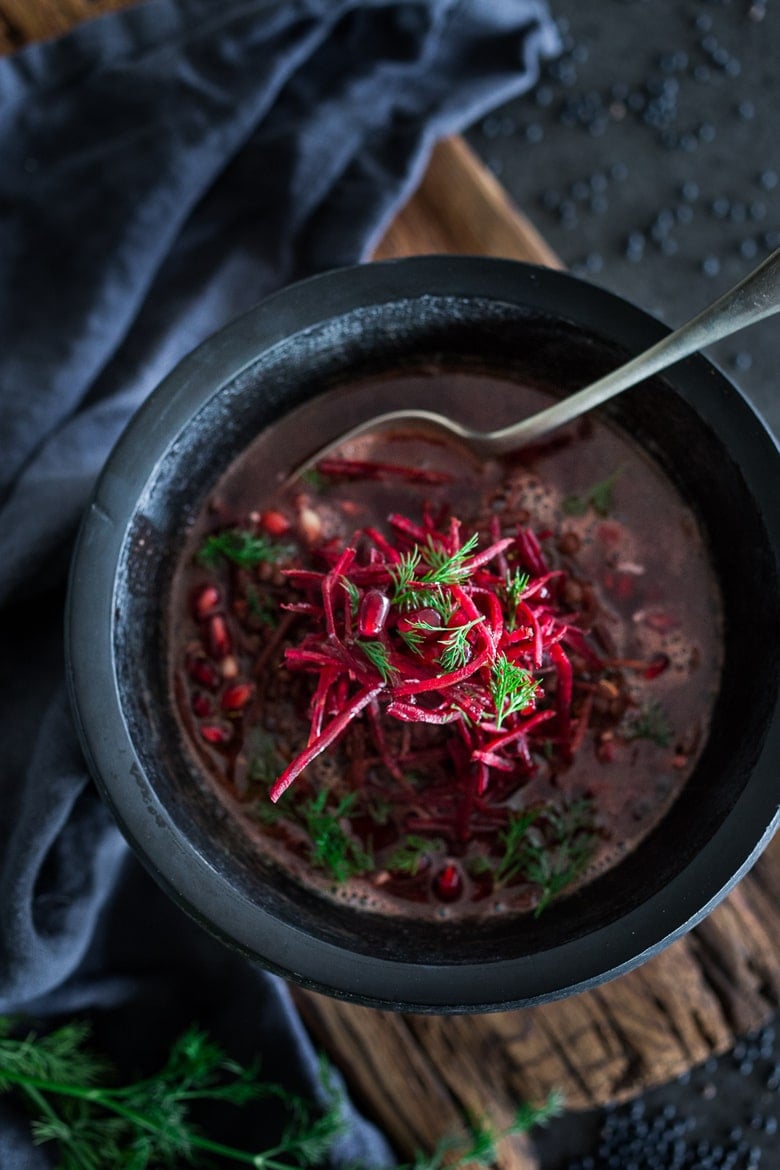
421 1075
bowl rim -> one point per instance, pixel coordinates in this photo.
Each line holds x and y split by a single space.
188 876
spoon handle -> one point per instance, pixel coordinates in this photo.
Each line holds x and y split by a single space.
755 297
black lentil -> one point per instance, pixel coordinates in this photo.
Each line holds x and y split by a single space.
656 1132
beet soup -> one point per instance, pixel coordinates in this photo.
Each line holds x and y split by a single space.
441 688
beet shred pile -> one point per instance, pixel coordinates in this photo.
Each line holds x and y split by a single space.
431 629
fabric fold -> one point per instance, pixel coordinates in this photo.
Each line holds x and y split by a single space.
164 168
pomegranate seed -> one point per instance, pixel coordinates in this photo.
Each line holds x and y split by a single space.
605 752
237 696
310 525
201 704
448 884
657 665
215 733
219 640
274 523
228 667
206 601
372 615
204 672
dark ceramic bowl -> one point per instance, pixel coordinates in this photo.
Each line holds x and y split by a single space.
538 324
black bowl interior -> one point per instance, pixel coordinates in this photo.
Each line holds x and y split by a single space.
694 424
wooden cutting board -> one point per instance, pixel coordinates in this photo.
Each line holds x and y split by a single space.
420 1076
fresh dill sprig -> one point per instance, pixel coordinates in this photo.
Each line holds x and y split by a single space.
414 637
561 854
652 723
352 592
242 548
62 1055
513 839
602 494
408 856
480 1147
147 1123
333 848
515 586
512 688
437 598
600 497
403 573
377 655
411 592
412 589
144 1124
314 479
455 645
453 640
447 568
549 847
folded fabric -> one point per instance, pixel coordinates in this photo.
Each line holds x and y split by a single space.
163 169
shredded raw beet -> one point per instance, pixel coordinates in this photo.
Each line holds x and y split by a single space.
427 627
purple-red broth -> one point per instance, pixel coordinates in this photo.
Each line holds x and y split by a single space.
438 688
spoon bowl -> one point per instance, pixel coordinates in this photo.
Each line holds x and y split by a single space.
754 298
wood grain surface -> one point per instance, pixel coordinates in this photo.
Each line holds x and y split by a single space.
422 1076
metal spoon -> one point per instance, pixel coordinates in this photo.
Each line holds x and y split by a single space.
755 297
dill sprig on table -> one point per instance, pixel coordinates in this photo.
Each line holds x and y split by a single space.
147 1123
480 1147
